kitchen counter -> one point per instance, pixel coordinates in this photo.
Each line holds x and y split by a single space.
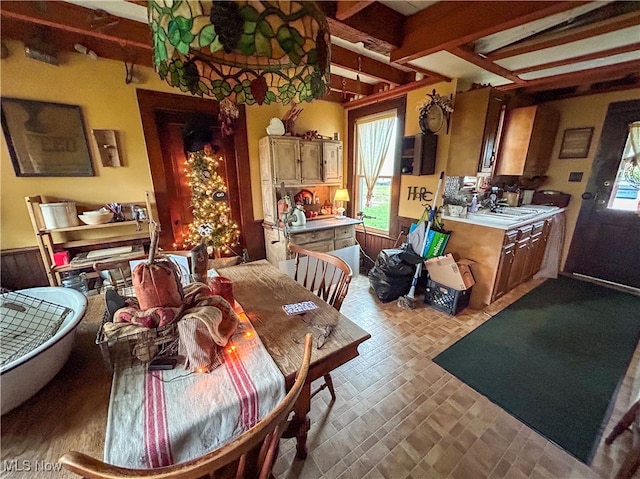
505 221
323 235
500 245
323 224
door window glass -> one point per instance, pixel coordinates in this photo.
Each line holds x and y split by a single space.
626 189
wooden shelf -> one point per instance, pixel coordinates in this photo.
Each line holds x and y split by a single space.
88 227
52 240
110 239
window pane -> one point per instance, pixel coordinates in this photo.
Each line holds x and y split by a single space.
380 203
625 195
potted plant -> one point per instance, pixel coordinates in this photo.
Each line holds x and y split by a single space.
455 204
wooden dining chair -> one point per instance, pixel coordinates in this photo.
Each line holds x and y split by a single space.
251 455
327 276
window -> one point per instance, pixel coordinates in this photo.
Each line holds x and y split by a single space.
626 190
375 158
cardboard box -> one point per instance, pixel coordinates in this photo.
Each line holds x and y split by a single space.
454 274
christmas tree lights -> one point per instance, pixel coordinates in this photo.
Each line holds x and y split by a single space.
209 202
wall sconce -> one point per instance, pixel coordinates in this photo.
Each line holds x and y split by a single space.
341 196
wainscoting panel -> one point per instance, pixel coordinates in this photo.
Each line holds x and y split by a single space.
22 268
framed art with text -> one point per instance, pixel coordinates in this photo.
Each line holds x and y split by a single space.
46 139
576 142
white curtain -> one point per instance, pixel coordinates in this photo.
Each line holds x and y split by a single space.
374 138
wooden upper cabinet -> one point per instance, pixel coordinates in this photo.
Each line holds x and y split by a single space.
286 157
475 125
527 141
310 162
332 161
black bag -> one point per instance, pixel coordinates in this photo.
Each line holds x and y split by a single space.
392 274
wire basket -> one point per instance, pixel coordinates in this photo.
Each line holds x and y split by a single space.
142 346
26 323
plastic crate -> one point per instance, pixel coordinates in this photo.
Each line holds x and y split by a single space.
446 299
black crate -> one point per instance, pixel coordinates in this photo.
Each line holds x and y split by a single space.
445 298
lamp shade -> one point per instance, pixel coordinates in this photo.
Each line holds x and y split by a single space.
247 51
341 195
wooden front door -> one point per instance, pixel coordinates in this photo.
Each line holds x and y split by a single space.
606 241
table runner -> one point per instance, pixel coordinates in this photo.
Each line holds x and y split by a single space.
160 418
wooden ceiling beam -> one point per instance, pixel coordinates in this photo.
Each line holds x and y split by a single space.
346 9
467 53
340 83
589 56
377 26
368 66
75 19
447 25
388 94
562 38
581 77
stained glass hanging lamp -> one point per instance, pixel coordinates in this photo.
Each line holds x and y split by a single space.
246 51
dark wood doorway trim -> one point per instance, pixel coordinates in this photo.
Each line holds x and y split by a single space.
150 102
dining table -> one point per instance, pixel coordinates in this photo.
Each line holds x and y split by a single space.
71 411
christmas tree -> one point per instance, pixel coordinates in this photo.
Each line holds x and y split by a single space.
209 202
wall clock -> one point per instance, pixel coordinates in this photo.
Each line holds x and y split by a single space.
432 118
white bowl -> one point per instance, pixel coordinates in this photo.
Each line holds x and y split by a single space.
25 376
101 211
96 219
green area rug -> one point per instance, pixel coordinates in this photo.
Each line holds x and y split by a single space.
554 359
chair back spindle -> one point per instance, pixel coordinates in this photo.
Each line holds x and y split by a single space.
323 274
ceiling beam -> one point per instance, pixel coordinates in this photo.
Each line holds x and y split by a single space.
347 9
582 77
562 38
340 83
388 94
447 25
589 56
468 54
76 19
377 26
358 63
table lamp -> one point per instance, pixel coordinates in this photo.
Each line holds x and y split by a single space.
341 196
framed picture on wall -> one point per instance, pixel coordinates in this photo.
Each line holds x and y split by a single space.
576 142
45 139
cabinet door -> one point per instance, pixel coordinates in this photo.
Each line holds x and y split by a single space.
504 270
527 142
266 162
535 243
310 162
521 256
492 127
474 127
285 153
332 162
268 202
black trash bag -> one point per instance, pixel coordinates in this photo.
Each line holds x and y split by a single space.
391 275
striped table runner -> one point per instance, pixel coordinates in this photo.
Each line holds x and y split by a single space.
165 417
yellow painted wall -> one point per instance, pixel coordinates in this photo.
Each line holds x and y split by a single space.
98 87
585 111
413 208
